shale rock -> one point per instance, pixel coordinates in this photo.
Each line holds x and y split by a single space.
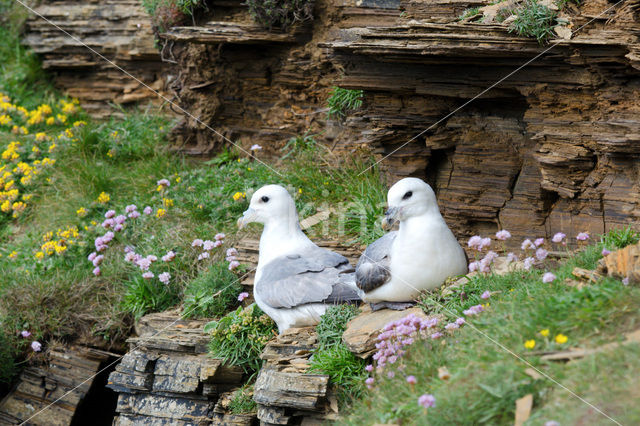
623 263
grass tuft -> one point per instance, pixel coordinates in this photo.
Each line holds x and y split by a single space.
534 20
342 101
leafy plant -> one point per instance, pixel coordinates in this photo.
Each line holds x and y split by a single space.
240 337
280 13
143 296
343 100
7 361
212 293
242 401
621 237
534 20
168 13
333 358
469 13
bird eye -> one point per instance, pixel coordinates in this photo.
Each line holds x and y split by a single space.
265 199
408 194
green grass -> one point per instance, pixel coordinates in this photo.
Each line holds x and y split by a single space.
534 20
212 293
485 379
242 401
341 101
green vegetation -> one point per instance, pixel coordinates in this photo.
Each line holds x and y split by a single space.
342 101
280 13
168 13
469 13
534 20
486 380
242 401
240 336
332 357
212 293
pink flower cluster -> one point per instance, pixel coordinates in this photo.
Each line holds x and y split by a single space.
397 335
208 245
232 259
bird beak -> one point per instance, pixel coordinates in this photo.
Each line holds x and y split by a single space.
247 217
390 218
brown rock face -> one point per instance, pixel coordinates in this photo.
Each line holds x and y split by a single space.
551 147
120 30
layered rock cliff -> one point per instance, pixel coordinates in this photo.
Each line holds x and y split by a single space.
553 146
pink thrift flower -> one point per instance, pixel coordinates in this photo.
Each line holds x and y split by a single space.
255 147
120 219
25 333
625 281
144 263
204 255
36 346
169 256
108 223
232 252
130 208
197 243
548 277
412 380
474 266
605 252
583 236
148 275
451 326
552 423
436 335
218 243
207 245
369 368
242 296
461 321
147 210
474 310
558 237
490 256
527 244
528 263
101 247
128 249
503 235
427 400
475 242
369 382
134 215
130 257
109 214
96 271
538 242
97 260
219 236
541 254
233 265
107 237
118 227
486 242
92 256
511 258
485 295
152 258
164 277
164 182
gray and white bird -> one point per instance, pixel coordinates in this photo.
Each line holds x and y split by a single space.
295 280
420 256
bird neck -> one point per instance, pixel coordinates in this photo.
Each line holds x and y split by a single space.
281 237
417 226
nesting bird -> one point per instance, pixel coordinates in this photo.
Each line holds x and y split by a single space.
420 256
295 280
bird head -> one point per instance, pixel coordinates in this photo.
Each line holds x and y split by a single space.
269 203
407 198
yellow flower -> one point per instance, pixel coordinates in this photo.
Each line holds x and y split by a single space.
47 236
61 118
103 198
79 123
41 136
5 206
27 197
178 179
530 344
50 121
111 153
561 338
299 190
52 147
168 202
544 332
161 212
18 207
5 119
39 255
239 195
160 188
13 254
35 149
82 212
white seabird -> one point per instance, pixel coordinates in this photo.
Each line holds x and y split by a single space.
295 280
420 256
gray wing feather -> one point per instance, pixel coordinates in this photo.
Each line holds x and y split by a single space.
315 275
372 270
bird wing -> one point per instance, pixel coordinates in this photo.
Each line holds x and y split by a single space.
314 275
373 268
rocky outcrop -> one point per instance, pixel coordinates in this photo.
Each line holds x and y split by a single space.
120 30
551 147
60 388
167 377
